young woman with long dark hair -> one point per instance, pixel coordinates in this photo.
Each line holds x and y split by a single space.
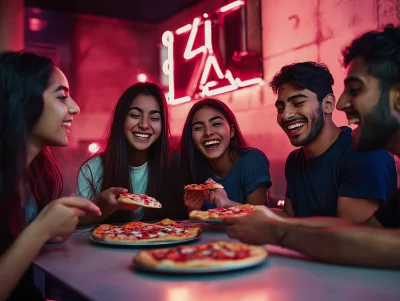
138 157
214 150
36 112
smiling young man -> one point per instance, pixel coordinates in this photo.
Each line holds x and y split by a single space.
371 99
326 176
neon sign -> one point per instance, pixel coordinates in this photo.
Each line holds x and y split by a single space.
207 60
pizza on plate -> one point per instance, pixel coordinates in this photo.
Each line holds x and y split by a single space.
209 186
209 255
142 200
221 213
165 230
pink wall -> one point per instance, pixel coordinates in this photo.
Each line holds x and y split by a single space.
324 27
108 56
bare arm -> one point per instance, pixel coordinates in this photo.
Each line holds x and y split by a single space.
356 209
345 244
19 256
258 196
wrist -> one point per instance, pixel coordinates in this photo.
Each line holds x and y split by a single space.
39 230
282 232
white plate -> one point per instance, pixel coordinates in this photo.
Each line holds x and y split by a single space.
206 270
144 243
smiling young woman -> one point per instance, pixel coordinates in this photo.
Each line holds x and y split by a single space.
37 112
214 149
138 157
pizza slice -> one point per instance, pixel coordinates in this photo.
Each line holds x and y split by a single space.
209 186
142 200
210 255
222 213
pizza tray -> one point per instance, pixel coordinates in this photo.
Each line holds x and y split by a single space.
205 270
143 243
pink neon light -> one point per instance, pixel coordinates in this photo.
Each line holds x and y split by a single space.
180 100
184 29
231 6
207 35
208 61
211 61
248 82
189 52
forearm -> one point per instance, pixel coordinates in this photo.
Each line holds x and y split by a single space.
346 244
19 256
318 222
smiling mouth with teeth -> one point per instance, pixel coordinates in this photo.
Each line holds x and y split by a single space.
211 143
141 136
353 120
66 125
295 126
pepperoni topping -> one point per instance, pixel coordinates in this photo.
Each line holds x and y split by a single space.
185 253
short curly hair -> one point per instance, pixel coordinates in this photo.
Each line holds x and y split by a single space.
307 75
380 51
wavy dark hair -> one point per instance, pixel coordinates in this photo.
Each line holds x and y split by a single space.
196 165
23 79
307 75
381 52
115 157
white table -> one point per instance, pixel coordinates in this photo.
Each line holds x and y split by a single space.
105 274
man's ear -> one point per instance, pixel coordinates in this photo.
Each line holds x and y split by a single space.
328 103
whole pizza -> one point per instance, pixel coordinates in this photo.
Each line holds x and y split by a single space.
165 230
222 213
213 254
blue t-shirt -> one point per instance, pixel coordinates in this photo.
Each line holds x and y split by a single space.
314 184
250 171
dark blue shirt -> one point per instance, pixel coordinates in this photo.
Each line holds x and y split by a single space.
388 214
315 184
250 171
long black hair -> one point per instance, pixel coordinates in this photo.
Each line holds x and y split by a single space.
195 164
115 157
23 79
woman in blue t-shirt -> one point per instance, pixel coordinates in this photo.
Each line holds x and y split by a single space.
214 149
138 158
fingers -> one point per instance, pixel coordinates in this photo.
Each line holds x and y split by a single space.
209 181
82 204
118 190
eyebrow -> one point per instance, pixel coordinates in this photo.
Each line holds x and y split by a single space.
61 88
141 111
209 120
279 102
353 79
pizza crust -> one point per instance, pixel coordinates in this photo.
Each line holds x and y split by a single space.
212 215
146 258
203 186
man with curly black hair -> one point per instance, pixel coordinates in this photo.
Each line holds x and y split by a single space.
371 99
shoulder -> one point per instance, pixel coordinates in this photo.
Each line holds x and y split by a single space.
93 165
376 157
294 155
251 154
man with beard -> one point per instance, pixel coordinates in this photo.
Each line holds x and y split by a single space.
326 176
371 99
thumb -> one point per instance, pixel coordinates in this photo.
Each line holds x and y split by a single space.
209 181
